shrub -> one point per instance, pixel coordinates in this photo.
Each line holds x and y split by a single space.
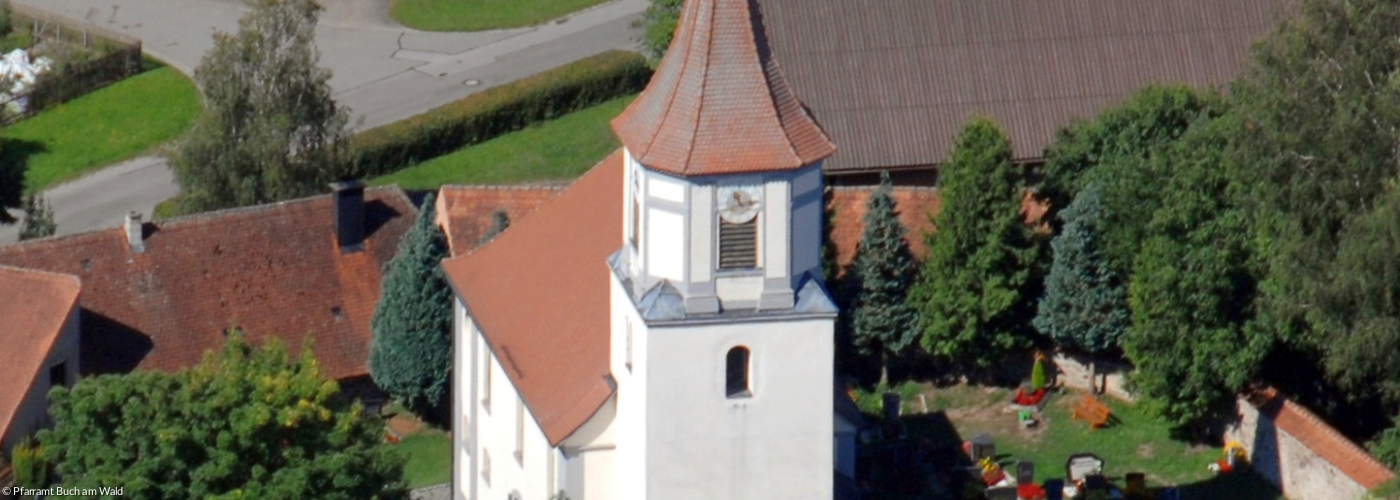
31 471
499 110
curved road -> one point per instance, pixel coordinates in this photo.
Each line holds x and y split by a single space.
382 71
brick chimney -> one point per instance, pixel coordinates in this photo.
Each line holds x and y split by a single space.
349 214
134 233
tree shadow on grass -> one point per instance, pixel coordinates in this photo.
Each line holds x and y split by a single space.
14 162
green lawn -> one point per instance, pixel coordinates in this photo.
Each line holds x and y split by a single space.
429 458
114 123
1133 442
477 15
560 149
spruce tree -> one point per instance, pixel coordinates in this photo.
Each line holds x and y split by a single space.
970 293
1085 307
411 330
883 323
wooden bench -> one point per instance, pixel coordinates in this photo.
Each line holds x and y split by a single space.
1091 410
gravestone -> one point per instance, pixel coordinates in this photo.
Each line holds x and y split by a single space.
1025 472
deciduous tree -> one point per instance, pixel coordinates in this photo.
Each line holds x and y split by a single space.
411 329
245 423
1321 100
659 25
270 130
1192 341
970 293
38 219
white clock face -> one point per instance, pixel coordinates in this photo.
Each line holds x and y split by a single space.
739 204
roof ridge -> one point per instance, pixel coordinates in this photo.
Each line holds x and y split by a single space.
77 281
214 214
504 187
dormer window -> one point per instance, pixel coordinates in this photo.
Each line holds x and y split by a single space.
738 208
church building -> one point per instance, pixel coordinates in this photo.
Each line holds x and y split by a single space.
659 329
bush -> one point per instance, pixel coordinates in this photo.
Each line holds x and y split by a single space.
31 471
499 110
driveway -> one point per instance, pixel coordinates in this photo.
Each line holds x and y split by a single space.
381 71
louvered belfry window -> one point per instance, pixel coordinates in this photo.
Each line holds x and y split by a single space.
738 245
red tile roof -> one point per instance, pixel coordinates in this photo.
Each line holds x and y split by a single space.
539 295
1322 439
34 306
719 103
464 212
916 207
273 270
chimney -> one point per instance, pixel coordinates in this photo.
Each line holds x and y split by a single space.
134 235
349 214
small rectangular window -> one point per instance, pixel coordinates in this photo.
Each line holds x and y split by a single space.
738 245
486 466
486 390
58 375
736 373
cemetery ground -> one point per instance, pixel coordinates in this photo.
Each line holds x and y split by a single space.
558 150
429 450
478 15
111 124
1133 441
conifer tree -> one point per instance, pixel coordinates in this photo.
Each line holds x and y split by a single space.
411 330
883 323
1084 304
970 292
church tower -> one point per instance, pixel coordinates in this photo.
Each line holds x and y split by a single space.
722 333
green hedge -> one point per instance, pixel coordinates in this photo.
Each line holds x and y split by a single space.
499 110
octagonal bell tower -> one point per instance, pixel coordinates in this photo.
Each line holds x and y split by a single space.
724 182
722 333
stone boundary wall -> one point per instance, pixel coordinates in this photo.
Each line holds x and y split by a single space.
1300 454
1072 371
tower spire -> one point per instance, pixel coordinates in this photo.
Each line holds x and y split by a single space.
718 103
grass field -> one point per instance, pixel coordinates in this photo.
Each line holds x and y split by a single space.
561 149
477 15
114 123
429 458
1133 442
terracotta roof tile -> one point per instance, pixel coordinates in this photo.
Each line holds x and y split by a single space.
464 212
273 270
539 294
719 103
34 306
892 81
1322 439
916 207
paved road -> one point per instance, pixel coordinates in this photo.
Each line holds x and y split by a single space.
382 71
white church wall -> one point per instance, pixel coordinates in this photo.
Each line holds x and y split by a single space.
701 444
775 224
665 236
590 454
630 431
464 341
499 447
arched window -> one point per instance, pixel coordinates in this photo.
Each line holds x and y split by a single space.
736 374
